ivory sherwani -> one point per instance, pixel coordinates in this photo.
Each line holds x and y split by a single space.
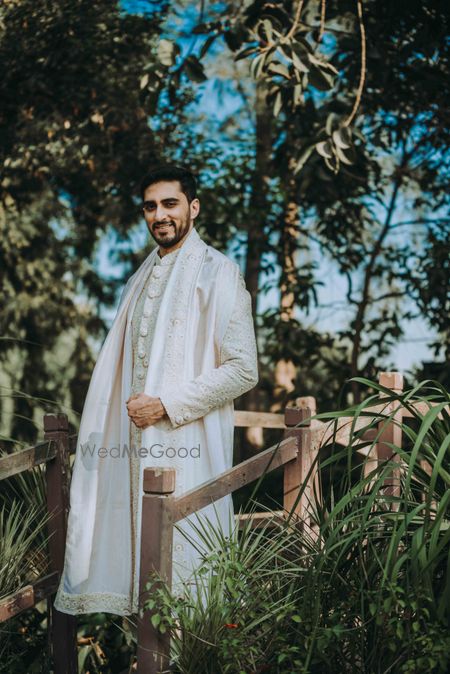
183 332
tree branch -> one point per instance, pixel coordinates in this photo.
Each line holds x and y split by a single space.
362 305
424 221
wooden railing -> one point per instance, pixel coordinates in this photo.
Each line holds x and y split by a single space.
54 453
296 452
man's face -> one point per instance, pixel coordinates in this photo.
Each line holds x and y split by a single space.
168 214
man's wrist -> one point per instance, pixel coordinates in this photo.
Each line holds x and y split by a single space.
163 410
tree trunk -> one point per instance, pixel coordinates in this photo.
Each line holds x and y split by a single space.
256 236
285 370
364 302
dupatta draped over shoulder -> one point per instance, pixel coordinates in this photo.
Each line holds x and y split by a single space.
202 356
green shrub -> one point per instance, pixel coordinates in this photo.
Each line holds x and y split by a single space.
368 593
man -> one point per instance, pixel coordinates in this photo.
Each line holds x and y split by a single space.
181 348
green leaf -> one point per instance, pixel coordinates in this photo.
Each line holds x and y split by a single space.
167 52
194 69
298 98
325 149
342 137
300 66
331 122
278 104
246 51
268 30
144 81
322 64
155 620
257 66
279 69
305 155
342 156
320 80
206 45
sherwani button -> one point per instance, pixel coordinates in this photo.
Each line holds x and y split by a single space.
156 272
143 331
178 419
187 416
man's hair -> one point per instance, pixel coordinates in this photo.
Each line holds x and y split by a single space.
169 172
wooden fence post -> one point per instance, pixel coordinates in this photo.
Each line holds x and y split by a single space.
370 453
295 472
391 432
153 648
63 628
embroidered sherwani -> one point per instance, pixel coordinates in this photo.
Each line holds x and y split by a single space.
184 333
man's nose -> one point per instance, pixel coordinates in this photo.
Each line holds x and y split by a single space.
160 213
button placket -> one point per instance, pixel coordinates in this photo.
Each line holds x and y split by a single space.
149 308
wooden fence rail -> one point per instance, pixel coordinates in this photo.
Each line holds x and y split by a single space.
54 453
161 510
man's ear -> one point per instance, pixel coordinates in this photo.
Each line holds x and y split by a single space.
195 208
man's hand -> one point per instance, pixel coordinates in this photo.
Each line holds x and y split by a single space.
144 411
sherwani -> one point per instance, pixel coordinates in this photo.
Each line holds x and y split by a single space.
184 333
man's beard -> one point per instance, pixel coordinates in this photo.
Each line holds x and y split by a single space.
173 234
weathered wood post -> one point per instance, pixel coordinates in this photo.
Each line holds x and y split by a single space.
295 472
370 453
153 648
63 627
391 432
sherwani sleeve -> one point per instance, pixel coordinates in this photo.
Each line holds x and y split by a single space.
236 373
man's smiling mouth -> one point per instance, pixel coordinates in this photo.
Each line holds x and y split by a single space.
165 226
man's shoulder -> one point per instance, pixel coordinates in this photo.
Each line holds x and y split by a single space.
216 259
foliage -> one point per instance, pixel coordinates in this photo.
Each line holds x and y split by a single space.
103 645
23 643
233 612
366 589
286 55
74 142
381 222
21 552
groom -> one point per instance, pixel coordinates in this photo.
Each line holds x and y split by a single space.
181 348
